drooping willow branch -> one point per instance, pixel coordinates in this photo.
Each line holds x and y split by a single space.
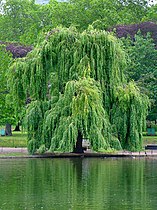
76 83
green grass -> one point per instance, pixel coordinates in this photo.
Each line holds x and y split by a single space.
12 154
149 140
18 139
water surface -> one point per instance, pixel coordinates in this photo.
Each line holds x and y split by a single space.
78 184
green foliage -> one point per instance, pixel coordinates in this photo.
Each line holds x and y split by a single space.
42 149
142 54
75 81
77 111
22 20
151 14
6 109
104 14
115 143
32 146
18 139
142 67
129 118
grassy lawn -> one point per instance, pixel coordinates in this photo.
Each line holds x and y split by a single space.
18 139
149 140
12 154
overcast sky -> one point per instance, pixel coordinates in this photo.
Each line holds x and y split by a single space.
46 1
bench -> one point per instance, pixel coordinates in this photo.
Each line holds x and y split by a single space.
2 132
151 147
151 132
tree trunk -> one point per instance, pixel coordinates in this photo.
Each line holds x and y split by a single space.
8 131
78 147
17 128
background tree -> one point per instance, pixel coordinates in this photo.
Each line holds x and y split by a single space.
151 14
82 13
142 67
9 112
133 11
131 30
21 21
143 56
6 109
141 48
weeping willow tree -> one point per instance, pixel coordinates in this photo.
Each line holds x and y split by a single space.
78 90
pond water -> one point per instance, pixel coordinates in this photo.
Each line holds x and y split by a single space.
78 184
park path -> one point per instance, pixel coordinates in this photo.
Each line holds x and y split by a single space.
13 150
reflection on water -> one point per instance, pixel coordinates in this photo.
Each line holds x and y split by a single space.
76 184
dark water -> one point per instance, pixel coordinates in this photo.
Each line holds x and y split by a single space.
78 184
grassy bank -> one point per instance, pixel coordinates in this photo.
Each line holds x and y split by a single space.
149 140
18 139
12 154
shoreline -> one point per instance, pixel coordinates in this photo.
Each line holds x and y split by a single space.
17 153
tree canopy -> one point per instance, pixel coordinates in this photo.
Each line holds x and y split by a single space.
143 69
132 29
77 87
6 109
23 20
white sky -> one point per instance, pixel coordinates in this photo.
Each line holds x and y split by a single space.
153 1
46 1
